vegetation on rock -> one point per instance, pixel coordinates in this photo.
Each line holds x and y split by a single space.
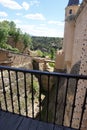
7 30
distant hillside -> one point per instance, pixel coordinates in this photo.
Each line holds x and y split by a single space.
46 44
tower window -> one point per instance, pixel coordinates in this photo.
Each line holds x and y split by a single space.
70 11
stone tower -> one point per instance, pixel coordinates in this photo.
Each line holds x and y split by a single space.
70 13
73 2
64 56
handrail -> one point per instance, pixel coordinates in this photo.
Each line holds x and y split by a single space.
43 72
17 92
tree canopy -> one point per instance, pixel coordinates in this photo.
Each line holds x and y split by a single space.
9 29
47 45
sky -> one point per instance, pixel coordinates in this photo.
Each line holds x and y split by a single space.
36 17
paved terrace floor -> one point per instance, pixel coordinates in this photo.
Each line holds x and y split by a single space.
9 121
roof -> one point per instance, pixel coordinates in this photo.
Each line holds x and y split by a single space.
73 2
82 5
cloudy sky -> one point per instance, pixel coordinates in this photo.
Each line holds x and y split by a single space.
36 17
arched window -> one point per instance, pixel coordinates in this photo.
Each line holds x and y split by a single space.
70 11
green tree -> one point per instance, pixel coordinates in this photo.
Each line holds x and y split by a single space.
5 24
4 29
26 40
3 35
17 35
52 53
12 30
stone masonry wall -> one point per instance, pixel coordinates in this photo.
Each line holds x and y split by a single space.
3 56
80 54
80 33
15 60
21 60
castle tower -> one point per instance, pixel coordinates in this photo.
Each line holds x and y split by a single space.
70 13
73 2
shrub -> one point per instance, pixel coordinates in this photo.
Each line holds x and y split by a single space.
39 53
8 47
52 64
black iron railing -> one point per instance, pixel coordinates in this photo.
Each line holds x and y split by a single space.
37 94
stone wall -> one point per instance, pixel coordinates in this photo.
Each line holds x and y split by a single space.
18 45
15 60
80 54
69 34
3 56
77 54
80 35
21 60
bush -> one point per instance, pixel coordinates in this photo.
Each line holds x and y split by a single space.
39 53
52 64
8 47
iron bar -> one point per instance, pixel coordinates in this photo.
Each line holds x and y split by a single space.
32 96
83 109
56 101
0 105
65 100
73 105
25 91
11 93
18 94
40 99
4 91
48 98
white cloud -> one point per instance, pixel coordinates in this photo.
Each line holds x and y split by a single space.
58 23
2 19
10 4
17 21
48 31
18 14
3 14
25 5
41 30
36 16
34 2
